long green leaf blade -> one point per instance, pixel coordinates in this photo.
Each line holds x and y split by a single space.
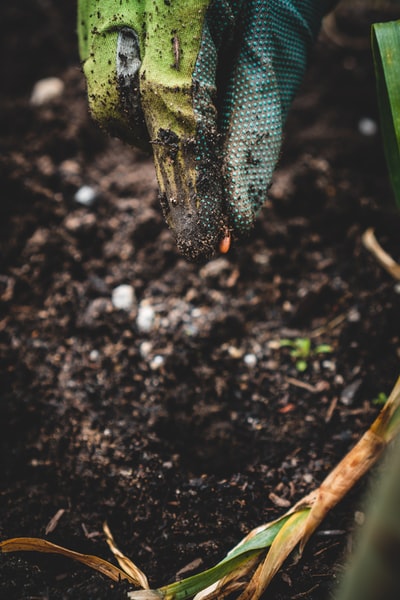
386 52
243 552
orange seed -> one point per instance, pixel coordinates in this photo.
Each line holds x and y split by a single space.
225 243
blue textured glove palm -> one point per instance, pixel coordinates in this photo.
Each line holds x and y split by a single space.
215 121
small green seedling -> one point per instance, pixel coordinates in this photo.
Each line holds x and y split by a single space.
302 351
380 400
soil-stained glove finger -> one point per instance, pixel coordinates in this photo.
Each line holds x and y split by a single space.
111 44
179 105
274 39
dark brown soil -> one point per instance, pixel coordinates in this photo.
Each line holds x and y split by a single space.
180 454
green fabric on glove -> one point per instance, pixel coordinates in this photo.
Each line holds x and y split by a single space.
207 84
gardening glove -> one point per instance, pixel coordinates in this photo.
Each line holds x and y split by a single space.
207 85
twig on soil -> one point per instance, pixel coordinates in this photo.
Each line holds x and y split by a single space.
384 259
314 389
90 535
331 409
305 594
52 524
329 326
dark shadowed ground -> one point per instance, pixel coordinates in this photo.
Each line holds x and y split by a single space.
186 433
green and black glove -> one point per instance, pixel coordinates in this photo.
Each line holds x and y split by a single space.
207 85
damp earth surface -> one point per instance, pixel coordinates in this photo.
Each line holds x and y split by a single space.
167 407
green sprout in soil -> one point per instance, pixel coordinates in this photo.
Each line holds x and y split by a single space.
380 400
302 351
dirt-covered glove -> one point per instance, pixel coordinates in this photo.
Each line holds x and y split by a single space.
207 85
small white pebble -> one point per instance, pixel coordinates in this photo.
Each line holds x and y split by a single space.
46 90
145 348
157 362
397 288
339 379
94 355
367 126
308 478
353 315
329 364
145 318
123 297
86 195
348 394
107 432
250 360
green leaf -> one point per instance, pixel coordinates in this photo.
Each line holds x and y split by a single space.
237 556
323 349
386 52
303 346
301 366
380 400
